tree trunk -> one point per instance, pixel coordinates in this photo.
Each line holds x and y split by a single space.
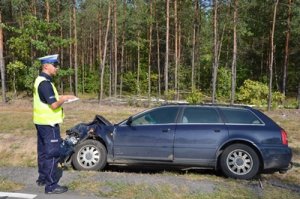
158 54
115 50
90 49
123 47
215 62
75 48
2 67
149 53
272 56
33 7
100 51
70 50
138 64
220 43
196 6
82 74
167 45
287 40
298 95
61 49
111 69
234 53
34 13
104 54
47 7
176 50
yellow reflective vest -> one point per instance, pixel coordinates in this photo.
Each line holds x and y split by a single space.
42 113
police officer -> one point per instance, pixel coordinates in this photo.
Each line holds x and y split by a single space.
47 114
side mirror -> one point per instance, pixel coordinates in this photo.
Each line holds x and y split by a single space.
129 121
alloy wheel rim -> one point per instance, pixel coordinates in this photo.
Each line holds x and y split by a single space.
88 156
239 162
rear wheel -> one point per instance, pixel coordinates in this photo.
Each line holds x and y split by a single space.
89 155
239 161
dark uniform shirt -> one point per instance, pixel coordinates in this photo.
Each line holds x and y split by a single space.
45 90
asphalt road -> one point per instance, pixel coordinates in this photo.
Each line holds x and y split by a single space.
28 176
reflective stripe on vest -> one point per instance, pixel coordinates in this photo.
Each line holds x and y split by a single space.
42 113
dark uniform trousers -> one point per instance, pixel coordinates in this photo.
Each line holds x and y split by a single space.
49 141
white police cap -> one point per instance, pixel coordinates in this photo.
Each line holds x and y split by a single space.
49 59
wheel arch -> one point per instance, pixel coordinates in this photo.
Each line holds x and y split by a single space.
99 139
240 141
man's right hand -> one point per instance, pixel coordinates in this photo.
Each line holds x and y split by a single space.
62 99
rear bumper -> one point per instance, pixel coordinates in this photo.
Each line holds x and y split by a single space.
277 158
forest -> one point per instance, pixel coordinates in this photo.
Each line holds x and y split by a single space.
218 51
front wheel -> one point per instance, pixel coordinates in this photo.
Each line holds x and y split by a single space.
239 161
89 155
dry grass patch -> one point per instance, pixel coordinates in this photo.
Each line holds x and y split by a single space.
7 185
17 150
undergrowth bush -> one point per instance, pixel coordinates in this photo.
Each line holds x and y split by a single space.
195 97
256 93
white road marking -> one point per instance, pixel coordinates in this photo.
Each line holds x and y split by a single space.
17 195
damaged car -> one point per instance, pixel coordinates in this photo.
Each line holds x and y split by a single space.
239 140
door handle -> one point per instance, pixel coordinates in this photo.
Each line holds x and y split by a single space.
166 130
217 130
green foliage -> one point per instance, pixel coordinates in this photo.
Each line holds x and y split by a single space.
15 66
170 95
291 104
34 35
277 99
224 82
26 36
91 83
195 97
253 92
256 93
129 82
32 73
64 72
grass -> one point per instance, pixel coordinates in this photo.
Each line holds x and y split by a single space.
225 189
18 148
7 185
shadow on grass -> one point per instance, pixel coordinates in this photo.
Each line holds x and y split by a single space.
296 164
158 169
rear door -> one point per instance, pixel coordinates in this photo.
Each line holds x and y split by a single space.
150 136
199 133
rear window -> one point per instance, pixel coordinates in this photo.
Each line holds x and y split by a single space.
240 116
200 115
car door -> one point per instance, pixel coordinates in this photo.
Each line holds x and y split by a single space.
199 133
148 136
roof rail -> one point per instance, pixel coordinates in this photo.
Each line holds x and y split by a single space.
206 104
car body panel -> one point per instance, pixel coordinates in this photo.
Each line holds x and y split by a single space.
150 142
198 143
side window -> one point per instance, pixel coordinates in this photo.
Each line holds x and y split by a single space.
200 115
162 115
240 116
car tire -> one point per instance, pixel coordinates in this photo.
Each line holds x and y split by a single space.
239 161
89 155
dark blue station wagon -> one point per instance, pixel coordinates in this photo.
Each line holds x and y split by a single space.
239 140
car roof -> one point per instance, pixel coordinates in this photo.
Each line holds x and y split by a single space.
208 104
